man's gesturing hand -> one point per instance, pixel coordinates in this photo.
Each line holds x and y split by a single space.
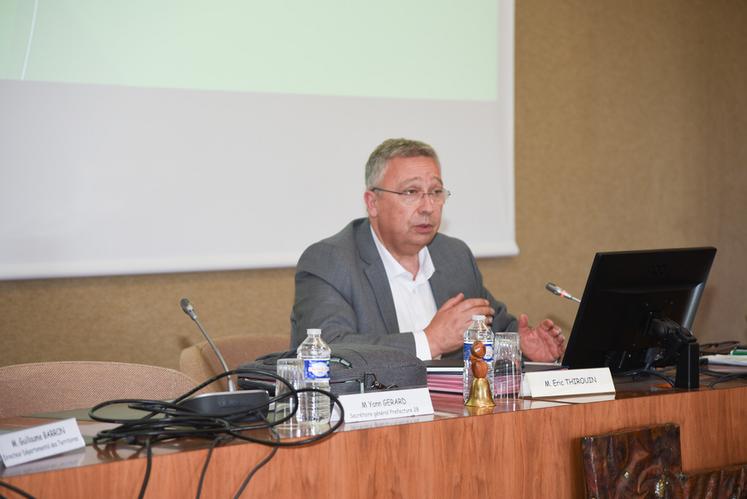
445 332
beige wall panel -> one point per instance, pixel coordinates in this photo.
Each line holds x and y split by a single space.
137 318
630 130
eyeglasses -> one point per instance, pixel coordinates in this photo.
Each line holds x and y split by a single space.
412 196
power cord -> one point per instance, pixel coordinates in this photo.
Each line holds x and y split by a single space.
165 420
15 489
647 372
217 440
721 377
255 469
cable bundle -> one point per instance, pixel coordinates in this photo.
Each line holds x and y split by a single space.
169 420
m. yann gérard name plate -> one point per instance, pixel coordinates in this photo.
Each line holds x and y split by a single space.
41 441
384 404
568 382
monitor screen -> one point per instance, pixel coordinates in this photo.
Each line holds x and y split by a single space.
625 292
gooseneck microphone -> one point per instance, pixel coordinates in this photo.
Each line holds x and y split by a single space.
557 290
190 311
239 404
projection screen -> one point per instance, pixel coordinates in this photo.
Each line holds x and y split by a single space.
165 136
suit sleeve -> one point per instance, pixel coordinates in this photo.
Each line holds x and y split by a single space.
329 291
502 320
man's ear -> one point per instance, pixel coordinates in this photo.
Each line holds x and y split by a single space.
371 200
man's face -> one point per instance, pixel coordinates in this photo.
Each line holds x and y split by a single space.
405 229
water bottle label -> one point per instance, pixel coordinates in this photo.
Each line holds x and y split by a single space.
488 352
468 349
316 370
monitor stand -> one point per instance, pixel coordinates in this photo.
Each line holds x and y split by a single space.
688 367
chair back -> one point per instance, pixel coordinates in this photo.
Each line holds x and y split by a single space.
41 387
200 362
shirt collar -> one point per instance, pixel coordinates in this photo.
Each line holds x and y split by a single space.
394 269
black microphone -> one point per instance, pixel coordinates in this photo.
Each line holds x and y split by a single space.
557 290
190 311
229 402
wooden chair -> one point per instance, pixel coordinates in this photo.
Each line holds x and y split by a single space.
200 363
647 463
41 387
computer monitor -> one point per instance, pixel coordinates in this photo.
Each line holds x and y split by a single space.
629 297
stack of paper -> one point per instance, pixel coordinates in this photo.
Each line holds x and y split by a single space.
728 360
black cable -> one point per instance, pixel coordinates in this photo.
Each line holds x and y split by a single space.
199 425
148 464
259 465
714 374
726 377
17 490
256 468
639 372
721 376
163 421
213 445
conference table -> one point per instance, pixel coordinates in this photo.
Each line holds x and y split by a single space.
521 448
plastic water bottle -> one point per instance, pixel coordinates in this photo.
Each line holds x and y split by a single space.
478 330
315 353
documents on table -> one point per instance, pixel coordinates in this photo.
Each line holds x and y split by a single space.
728 360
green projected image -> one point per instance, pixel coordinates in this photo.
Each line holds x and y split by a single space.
432 49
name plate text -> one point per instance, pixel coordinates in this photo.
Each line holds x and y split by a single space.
41 441
569 382
387 404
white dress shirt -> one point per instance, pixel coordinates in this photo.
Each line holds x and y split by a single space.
413 297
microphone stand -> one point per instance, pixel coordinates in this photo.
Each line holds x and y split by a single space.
242 404
189 310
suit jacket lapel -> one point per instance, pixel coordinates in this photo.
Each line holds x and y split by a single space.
439 280
374 270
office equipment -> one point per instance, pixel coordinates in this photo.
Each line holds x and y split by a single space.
558 291
355 368
637 308
200 363
189 309
194 152
221 403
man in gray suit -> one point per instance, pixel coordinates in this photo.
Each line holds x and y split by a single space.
392 279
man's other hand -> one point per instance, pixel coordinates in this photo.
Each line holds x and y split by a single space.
544 343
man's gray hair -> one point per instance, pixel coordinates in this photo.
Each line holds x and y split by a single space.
395 148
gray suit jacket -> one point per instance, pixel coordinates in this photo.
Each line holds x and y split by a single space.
342 288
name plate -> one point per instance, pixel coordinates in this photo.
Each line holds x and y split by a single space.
41 441
384 405
569 382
